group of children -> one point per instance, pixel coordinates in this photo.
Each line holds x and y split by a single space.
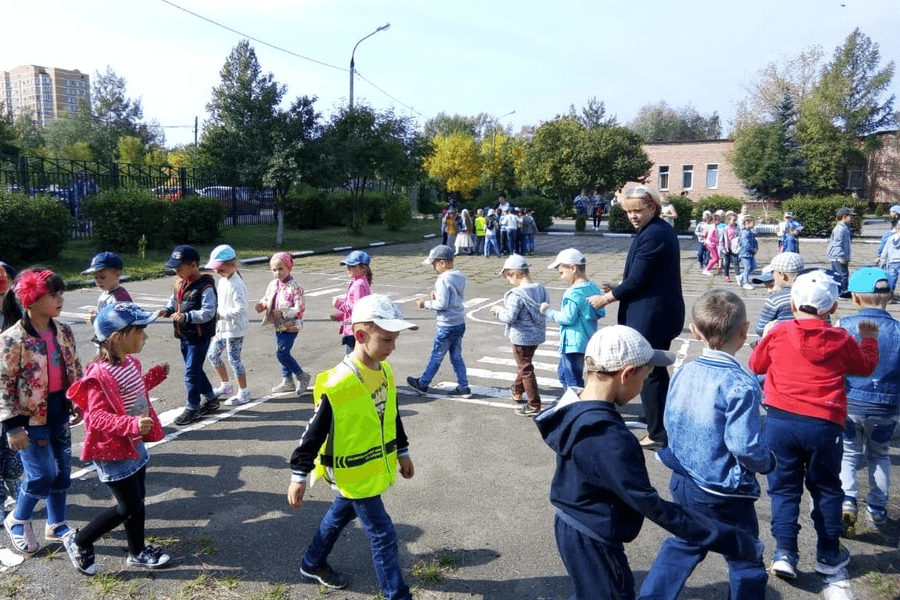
724 238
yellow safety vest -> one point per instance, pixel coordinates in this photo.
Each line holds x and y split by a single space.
360 454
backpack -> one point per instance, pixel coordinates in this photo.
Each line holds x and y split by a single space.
734 245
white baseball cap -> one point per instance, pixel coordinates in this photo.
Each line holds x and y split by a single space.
515 262
615 347
569 256
817 289
378 309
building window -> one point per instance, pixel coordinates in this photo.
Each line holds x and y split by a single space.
712 177
854 178
687 177
664 177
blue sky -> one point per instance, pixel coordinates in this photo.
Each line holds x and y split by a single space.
466 57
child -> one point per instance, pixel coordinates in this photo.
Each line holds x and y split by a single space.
451 227
728 241
601 504
463 241
700 231
447 303
526 328
284 306
576 317
712 244
480 231
492 228
38 362
114 398
889 256
839 246
747 253
192 307
790 238
805 361
359 269
529 229
873 403
231 325
715 448
10 463
356 415
784 268
107 268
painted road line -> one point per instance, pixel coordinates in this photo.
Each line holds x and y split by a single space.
508 362
474 301
325 291
503 376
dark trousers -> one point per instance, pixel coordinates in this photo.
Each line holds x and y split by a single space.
597 570
653 398
526 381
195 379
129 509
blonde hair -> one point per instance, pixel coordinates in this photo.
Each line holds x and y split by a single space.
719 315
876 299
648 194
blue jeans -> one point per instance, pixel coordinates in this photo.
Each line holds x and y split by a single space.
195 379
893 270
677 559
597 570
808 452
872 436
842 270
382 539
447 339
528 243
702 255
284 342
490 245
509 237
571 370
747 266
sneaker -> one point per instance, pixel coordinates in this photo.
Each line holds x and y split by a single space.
878 515
516 397
848 519
242 397
416 386
186 418
830 566
149 558
784 564
748 286
727 278
648 443
707 273
208 407
24 542
528 411
286 385
303 380
223 389
460 392
325 575
82 558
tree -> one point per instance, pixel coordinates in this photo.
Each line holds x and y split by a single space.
593 114
477 127
765 163
501 157
115 116
661 123
455 162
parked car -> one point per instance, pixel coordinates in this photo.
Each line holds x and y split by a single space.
233 198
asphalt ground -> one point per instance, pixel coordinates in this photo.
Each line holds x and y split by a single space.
216 490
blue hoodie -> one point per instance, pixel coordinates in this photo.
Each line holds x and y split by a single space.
577 317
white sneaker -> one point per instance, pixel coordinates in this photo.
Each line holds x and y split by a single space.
302 383
286 385
707 273
223 389
242 397
748 286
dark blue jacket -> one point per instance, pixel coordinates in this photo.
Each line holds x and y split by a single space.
649 296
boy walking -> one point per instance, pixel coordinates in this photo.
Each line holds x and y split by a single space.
873 403
748 246
784 268
355 441
805 361
715 448
526 328
192 307
447 303
107 269
601 503
839 246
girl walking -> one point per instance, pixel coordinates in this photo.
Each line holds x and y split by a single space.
38 363
284 307
114 398
359 269
231 325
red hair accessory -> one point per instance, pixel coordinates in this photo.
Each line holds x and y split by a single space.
31 286
287 259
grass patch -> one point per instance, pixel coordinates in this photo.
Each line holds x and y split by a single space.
276 591
162 541
106 585
12 586
435 570
207 546
882 586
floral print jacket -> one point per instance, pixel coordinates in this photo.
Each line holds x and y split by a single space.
286 296
23 371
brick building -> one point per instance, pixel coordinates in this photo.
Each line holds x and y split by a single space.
882 177
44 93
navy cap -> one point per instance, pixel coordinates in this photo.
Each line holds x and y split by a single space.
183 254
104 260
11 271
116 317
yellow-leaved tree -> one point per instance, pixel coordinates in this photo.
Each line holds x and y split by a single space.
455 162
501 156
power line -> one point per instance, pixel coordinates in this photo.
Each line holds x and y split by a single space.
388 95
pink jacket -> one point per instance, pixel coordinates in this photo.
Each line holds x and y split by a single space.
109 432
359 288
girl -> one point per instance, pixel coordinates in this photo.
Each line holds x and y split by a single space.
38 362
118 418
463 241
231 325
712 245
10 311
284 308
728 242
360 272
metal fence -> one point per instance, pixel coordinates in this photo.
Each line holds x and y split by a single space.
71 181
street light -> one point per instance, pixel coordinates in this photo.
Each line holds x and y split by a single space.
352 64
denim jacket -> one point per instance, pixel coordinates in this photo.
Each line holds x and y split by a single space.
712 418
882 388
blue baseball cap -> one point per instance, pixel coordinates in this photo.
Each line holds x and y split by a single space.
182 254
869 280
104 260
220 254
118 316
357 257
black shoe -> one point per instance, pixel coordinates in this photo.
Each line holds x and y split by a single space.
149 558
416 386
460 392
186 418
82 558
326 576
208 407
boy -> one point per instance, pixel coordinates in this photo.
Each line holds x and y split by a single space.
107 269
873 403
777 307
715 448
526 328
192 307
601 504
839 246
805 361
357 418
747 253
578 319
480 223
529 229
447 303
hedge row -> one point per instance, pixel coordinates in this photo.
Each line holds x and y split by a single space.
818 215
34 229
308 208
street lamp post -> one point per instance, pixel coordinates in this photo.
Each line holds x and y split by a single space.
352 64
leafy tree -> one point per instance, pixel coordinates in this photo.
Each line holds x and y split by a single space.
661 123
62 135
501 157
116 115
29 136
593 114
455 162
477 127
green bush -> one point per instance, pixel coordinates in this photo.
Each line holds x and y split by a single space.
718 202
580 222
817 215
121 216
544 210
684 207
33 229
879 209
306 208
618 220
195 220
397 212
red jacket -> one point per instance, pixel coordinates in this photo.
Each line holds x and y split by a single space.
109 432
805 362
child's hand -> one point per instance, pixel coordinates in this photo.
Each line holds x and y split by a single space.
90 317
433 295
162 313
336 316
868 330
178 317
260 307
544 307
18 441
406 468
144 425
420 303
295 494
495 309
